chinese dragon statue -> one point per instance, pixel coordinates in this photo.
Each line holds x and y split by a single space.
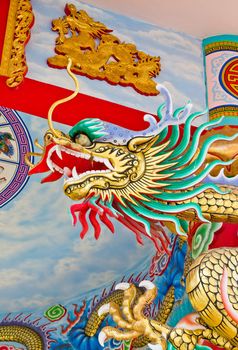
166 175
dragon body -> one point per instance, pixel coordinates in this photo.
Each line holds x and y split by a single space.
23 335
143 178
29 333
211 285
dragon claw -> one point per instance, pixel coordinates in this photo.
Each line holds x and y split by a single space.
147 285
155 346
104 309
122 286
101 338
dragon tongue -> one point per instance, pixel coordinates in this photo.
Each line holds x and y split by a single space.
42 166
53 176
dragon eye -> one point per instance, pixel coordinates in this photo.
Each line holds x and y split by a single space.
82 140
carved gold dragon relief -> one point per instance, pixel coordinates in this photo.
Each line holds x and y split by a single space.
98 54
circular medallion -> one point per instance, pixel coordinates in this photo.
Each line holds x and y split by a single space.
15 142
228 77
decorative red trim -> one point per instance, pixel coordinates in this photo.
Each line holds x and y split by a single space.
226 235
4 8
35 98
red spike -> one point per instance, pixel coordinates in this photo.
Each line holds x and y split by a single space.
137 279
130 279
73 322
113 286
27 317
17 316
83 220
35 322
94 222
73 209
107 222
104 293
6 317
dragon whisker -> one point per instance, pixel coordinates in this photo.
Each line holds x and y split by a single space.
30 154
37 144
63 100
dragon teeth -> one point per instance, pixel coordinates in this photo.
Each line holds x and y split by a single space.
108 164
50 164
84 155
105 161
97 159
74 173
58 152
56 167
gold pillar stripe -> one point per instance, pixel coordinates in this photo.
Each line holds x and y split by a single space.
9 35
13 62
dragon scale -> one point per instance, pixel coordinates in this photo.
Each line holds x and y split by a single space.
214 206
22 335
141 177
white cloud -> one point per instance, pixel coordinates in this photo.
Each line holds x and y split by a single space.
44 7
99 279
13 277
66 265
175 41
35 302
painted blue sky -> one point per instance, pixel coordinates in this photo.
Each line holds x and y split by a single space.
43 261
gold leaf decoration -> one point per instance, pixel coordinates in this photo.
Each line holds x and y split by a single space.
98 54
20 20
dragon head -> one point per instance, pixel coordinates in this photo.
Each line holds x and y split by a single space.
92 161
139 177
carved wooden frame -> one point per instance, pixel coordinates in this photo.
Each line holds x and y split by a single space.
15 35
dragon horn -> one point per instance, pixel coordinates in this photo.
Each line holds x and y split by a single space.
168 99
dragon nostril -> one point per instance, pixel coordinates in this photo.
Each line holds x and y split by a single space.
48 138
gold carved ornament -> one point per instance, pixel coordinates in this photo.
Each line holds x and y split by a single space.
98 54
19 22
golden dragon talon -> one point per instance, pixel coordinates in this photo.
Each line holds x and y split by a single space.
212 295
137 325
111 332
158 346
144 299
117 316
129 298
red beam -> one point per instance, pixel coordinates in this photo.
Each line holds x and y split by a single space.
35 98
